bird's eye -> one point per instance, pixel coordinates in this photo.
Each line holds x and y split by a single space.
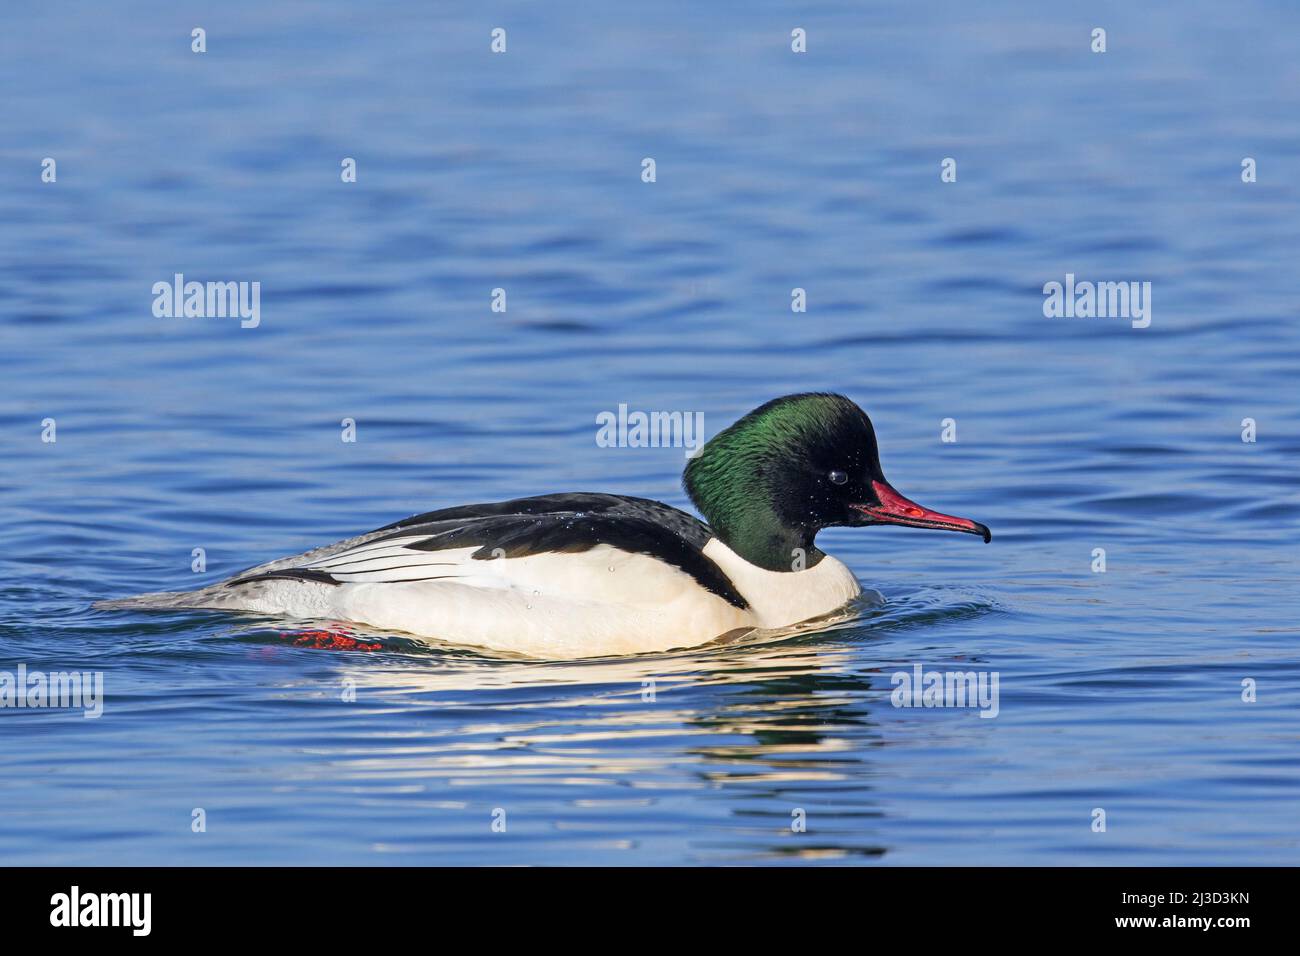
838 477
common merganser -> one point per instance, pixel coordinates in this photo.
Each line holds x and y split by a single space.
584 574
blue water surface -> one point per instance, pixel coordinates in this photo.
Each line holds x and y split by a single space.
1120 691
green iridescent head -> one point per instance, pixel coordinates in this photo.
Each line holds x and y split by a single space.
771 481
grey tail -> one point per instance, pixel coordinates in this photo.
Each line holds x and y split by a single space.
158 601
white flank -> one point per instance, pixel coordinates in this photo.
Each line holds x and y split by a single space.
594 603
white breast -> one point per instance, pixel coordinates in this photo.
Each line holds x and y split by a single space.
783 598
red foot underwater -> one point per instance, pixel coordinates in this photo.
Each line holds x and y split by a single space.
329 641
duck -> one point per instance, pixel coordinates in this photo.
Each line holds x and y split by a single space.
589 574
